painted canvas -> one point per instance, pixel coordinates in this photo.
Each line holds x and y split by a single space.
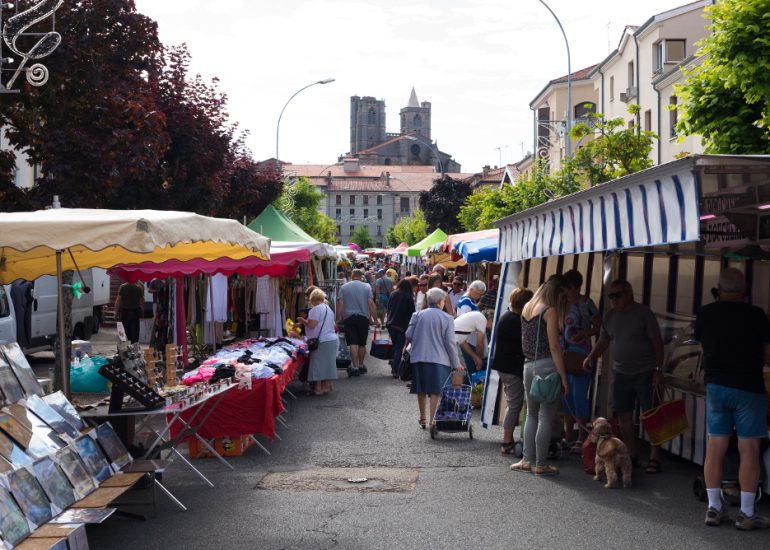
13 524
34 445
30 496
61 404
9 384
22 369
54 483
112 446
34 424
76 472
12 452
93 458
51 417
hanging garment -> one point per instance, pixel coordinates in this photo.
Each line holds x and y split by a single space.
268 306
216 299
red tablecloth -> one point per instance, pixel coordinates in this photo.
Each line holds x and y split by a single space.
245 412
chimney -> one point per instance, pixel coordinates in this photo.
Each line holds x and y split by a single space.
351 165
485 171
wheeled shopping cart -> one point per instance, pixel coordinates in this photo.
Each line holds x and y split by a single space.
454 411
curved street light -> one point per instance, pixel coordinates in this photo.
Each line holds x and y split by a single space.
278 126
569 82
435 150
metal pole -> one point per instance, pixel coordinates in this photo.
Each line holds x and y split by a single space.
569 82
278 126
65 371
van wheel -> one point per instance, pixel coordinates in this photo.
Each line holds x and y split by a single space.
77 333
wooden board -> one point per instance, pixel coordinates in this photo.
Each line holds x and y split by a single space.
40 543
51 530
101 498
122 480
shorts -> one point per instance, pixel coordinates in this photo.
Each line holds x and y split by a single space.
728 407
576 400
627 389
356 330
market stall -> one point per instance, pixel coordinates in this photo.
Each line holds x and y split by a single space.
669 231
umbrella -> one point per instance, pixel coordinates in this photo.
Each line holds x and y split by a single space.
33 244
437 236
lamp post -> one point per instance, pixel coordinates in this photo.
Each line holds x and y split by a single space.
569 82
278 126
438 157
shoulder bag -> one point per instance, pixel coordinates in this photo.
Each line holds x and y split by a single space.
544 389
312 343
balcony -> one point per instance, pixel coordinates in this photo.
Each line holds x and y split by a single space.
630 93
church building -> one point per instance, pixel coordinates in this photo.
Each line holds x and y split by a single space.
411 146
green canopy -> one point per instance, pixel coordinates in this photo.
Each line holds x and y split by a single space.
437 236
275 225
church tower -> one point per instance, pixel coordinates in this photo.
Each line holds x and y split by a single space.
367 123
415 117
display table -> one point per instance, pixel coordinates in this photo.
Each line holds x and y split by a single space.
247 412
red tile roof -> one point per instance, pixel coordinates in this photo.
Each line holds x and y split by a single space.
577 75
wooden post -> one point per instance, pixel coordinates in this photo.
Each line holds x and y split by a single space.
149 359
170 365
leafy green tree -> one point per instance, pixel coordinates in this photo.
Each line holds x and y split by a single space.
726 98
300 202
442 202
409 230
361 237
610 150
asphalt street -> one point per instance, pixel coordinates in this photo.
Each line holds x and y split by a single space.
449 493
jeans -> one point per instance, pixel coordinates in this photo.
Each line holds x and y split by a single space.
537 430
398 338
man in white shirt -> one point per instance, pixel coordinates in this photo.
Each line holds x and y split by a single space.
470 332
456 292
422 288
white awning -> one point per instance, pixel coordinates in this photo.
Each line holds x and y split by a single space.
652 207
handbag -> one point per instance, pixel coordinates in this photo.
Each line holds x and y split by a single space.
665 421
573 363
312 343
382 348
405 368
544 389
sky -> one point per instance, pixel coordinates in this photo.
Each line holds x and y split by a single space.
479 63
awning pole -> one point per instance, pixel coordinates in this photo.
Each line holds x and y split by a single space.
63 366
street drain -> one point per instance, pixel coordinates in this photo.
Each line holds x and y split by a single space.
373 480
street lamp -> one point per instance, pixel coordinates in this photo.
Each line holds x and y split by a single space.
569 81
438 157
278 126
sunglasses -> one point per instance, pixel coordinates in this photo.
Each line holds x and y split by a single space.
615 295
422 284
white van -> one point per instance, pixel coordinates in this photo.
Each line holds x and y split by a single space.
34 304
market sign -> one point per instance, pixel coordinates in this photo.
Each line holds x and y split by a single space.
24 42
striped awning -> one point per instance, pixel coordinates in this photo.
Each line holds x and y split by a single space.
652 207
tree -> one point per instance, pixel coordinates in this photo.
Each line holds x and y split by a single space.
300 201
442 203
361 237
251 186
95 128
609 153
726 98
410 230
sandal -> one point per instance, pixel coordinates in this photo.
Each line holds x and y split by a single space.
522 466
653 466
423 423
546 471
508 448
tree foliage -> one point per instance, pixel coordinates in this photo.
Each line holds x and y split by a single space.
410 230
726 98
300 201
442 203
361 237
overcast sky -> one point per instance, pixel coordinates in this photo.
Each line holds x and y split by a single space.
479 62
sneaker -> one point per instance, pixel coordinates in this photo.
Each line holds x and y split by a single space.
715 517
352 372
746 523
363 369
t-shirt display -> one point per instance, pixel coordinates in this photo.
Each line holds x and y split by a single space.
30 496
54 483
93 458
9 384
13 525
76 472
22 369
112 445
631 332
51 417
59 402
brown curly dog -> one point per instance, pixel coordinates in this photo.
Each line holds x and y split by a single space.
611 455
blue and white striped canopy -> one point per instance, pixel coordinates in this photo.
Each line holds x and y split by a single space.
653 207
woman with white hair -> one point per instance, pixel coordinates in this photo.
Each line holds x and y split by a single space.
470 300
323 360
433 353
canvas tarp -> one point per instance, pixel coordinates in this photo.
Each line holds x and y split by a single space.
437 236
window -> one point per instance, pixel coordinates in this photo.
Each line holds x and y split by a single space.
338 213
631 78
667 51
339 230
648 120
415 150
673 115
379 213
379 230
612 88
405 204
366 212
417 121
352 199
371 116
352 212
584 109
379 200
366 200
352 229
338 199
